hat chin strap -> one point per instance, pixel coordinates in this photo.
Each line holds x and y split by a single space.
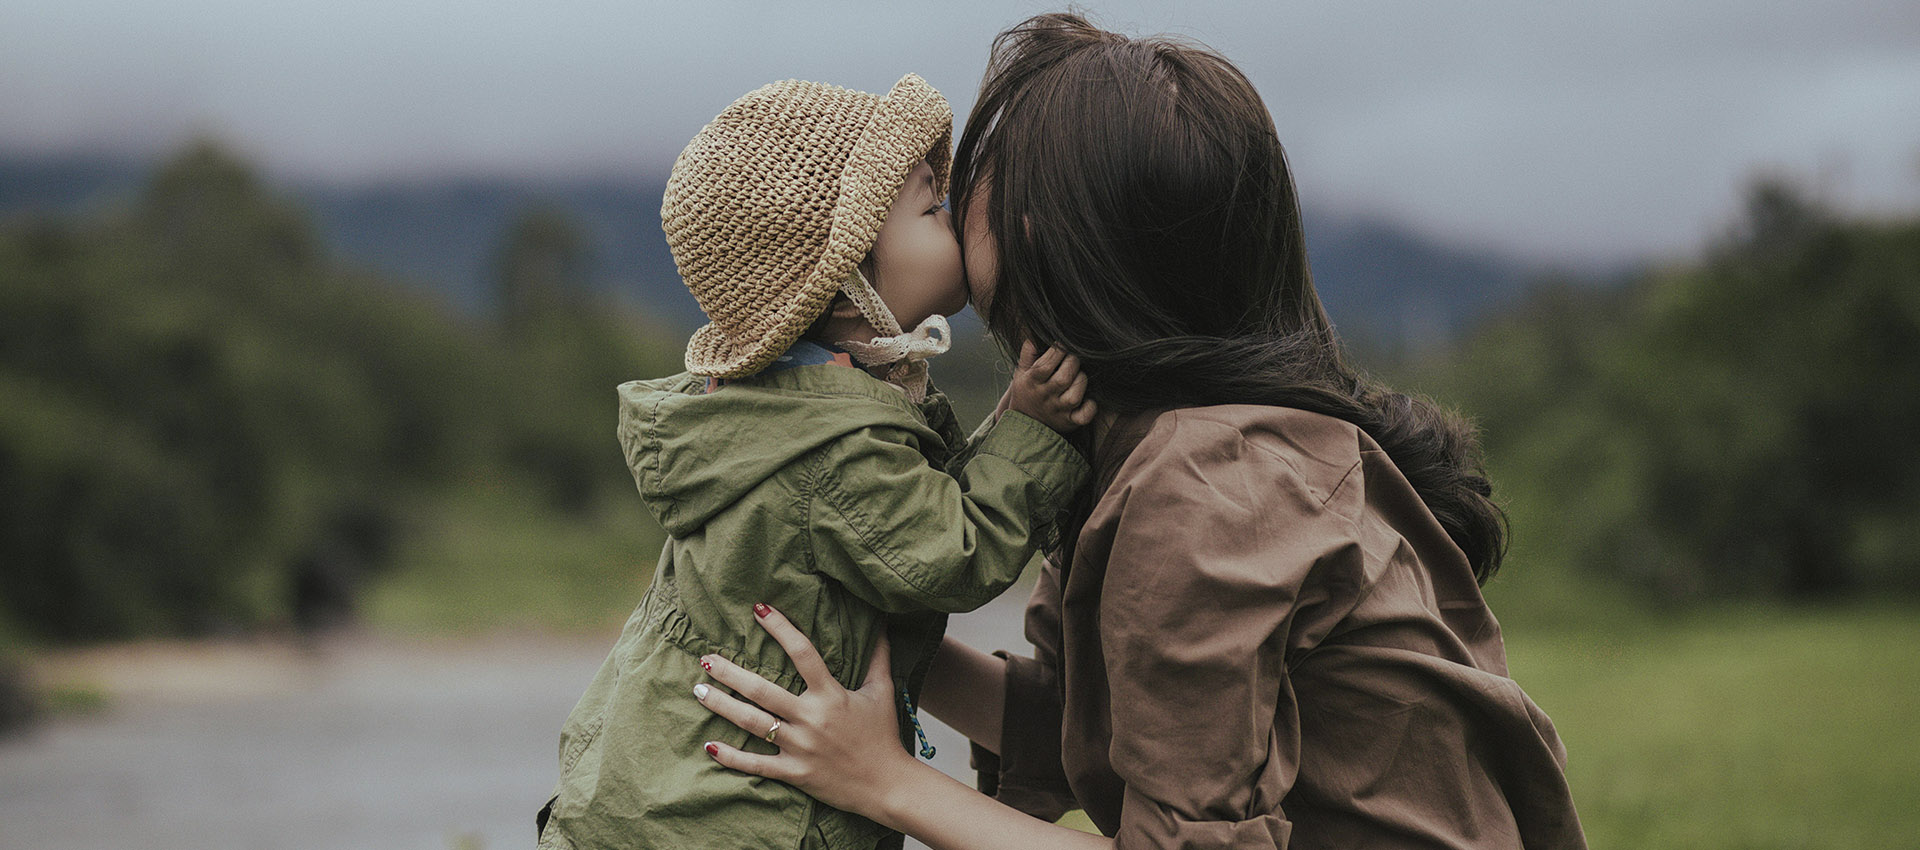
906 352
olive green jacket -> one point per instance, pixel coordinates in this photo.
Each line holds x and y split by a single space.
819 490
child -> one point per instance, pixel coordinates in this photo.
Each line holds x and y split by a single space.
808 221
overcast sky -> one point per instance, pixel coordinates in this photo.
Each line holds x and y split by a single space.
1580 131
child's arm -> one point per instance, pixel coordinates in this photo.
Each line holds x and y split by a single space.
903 535
1049 388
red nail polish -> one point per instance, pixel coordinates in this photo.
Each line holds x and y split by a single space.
760 609
713 749
706 665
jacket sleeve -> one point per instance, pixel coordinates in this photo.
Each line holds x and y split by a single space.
964 448
938 410
1215 547
903 535
1027 773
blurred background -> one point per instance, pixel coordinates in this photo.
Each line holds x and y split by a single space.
313 524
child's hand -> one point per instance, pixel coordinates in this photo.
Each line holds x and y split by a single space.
1050 388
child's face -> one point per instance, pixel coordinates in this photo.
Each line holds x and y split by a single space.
916 259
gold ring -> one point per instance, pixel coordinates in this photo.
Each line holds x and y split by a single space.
774 730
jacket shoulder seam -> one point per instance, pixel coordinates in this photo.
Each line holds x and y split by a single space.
1344 478
656 449
1241 435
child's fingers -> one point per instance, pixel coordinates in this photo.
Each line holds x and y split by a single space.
1083 415
1075 393
880 669
751 685
1068 371
748 717
759 765
1027 354
805 658
1045 364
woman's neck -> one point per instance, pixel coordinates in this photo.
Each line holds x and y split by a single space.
1103 427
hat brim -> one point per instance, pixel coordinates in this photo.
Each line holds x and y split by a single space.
912 122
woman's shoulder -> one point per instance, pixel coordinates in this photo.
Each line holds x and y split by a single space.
1321 452
1236 501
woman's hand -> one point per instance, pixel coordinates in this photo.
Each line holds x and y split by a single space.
843 747
840 746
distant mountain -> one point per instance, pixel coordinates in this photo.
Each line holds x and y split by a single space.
445 234
1384 282
1381 281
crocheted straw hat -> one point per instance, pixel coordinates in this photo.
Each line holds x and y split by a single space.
771 207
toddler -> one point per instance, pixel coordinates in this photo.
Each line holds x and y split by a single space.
804 460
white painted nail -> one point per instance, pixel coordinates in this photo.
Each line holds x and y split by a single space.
700 692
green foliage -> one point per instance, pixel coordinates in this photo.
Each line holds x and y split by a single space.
559 422
481 560
541 269
1756 727
212 426
1731 427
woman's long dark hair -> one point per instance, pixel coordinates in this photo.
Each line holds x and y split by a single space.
1147 222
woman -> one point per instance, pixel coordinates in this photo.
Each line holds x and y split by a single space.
1268 630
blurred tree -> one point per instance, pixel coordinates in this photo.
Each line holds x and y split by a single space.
194 389
213 426
569 347
18 707
542 268
1737 426
210 215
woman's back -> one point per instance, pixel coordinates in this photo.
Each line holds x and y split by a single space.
1264 633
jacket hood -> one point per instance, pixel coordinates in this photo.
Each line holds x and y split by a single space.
693 453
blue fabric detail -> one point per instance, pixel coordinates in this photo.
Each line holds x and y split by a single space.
805 352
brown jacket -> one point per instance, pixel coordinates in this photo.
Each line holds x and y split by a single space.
1265 640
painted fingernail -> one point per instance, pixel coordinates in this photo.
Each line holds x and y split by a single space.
700 692
760 609
713 749
706 664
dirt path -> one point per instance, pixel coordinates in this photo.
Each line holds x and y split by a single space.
362 742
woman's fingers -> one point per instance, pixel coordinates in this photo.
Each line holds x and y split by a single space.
748 717
770 767
751 685
880 669
1027 354
805 658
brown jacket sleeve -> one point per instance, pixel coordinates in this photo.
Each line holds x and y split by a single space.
1216 549
1027 773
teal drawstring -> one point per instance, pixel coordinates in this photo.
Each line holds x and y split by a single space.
919 734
